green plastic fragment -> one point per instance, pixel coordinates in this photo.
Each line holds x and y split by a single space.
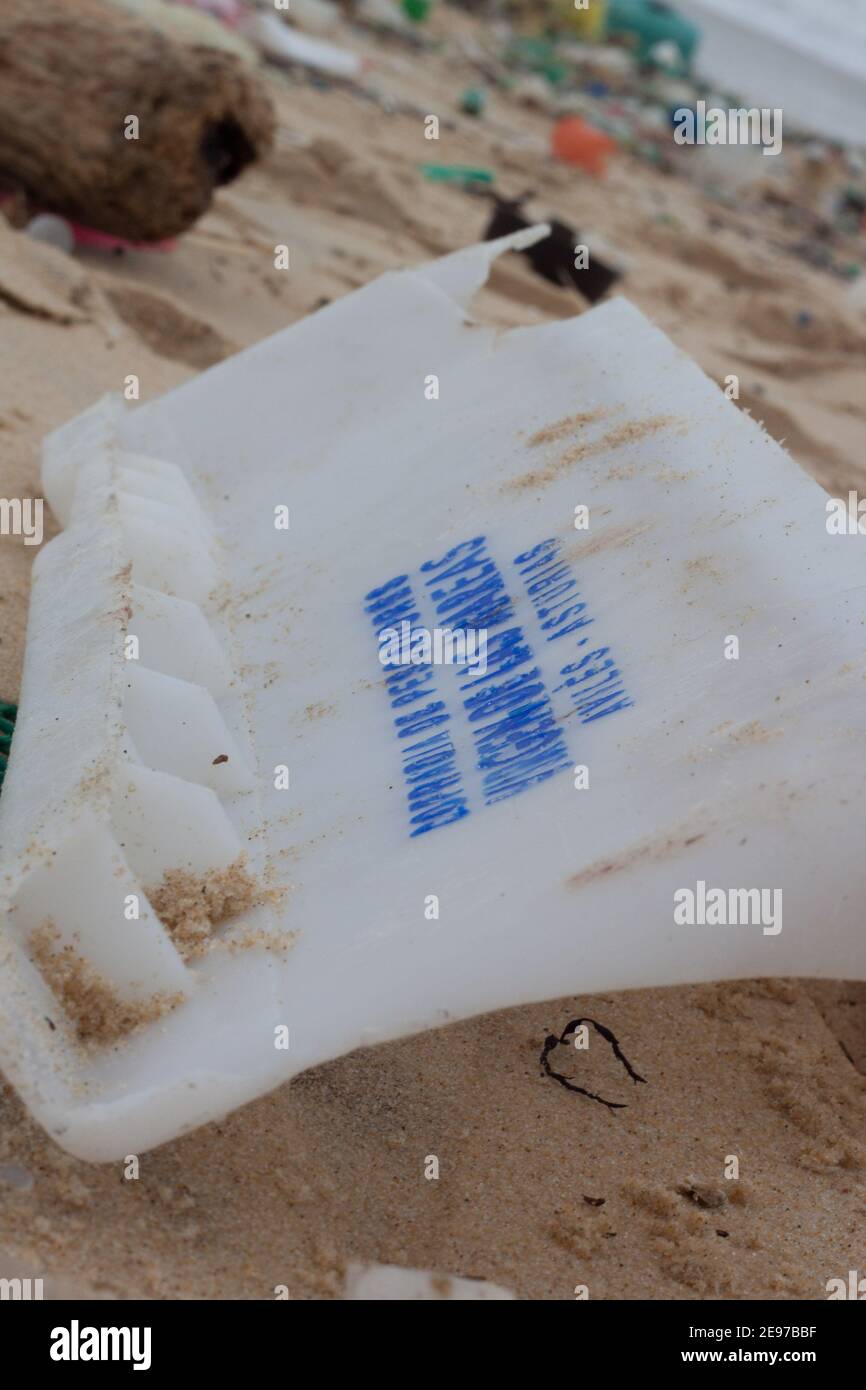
417 10
537 55
8 712
455 173
472 101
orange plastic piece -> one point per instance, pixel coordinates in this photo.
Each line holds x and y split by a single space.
579 143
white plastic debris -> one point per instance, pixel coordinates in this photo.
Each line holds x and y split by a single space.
672 705
378 1283
53 230
284 45
666 54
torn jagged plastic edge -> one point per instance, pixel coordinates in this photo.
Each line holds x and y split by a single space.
464 272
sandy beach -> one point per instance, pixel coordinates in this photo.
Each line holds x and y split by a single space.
540 1189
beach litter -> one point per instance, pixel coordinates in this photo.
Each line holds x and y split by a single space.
52 230
249 823
562 258
648 24
64 235
282 44
392 1283
461 174
473 101
8 712
417 11
536 55
577 142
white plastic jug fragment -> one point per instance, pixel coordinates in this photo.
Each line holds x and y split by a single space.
284 45
392 1283
234 844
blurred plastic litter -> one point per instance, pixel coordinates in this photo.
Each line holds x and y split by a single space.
456 173
391 1283
284 45
577 142
554 257
54 231
472 101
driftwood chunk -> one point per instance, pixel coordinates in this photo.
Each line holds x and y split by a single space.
68 83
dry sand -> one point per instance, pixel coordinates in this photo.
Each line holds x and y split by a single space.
331 1167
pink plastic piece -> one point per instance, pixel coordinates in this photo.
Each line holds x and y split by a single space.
104 241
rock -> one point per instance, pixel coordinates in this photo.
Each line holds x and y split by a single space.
131 133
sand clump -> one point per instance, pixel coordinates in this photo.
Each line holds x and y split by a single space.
94 1008
191 906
